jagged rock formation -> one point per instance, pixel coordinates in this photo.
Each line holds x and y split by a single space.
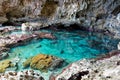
21 75
89 13
105 68
92 14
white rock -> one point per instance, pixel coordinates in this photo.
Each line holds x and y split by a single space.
118 46
118 17
31 26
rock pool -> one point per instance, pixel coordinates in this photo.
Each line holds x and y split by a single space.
70 46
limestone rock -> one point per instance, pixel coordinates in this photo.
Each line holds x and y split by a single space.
102 69
112 24
118 46
31 26
21 75
3 19
88 13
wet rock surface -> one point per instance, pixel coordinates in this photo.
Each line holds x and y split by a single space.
102 69
11 40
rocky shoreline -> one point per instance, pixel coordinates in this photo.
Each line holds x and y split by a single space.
101 68
12 40
92 15
94 69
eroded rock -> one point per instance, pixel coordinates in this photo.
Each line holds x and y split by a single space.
21 75
31 26
102 69
90 14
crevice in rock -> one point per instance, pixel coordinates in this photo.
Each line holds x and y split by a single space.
78 76
70 27
116 10
49 8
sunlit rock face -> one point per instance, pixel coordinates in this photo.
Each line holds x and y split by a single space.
89 13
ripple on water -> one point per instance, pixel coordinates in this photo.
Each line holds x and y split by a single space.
71 46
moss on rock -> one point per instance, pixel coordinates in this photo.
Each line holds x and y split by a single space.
41 62
4 65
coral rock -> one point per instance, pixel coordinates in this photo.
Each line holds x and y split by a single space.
43 62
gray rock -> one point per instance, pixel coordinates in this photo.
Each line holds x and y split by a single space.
112 24
57 63
104 68
24 75
88 12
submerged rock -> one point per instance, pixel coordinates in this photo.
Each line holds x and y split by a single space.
43 62
45 35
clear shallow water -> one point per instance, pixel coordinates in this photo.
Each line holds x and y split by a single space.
71 46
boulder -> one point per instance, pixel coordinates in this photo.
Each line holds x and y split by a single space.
112 24
30 26
43 62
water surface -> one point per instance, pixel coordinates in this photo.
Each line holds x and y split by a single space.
71 46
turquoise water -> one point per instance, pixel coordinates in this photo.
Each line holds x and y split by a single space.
71 46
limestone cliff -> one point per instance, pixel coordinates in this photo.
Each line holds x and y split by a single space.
90 13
